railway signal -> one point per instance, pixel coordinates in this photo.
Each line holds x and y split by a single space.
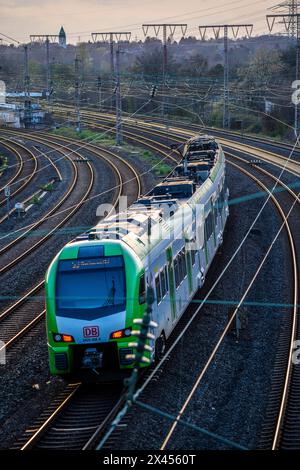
7 195
7 191
19 206
235 28
153 91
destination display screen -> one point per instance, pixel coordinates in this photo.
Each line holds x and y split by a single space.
90 263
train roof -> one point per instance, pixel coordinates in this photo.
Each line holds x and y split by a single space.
147 221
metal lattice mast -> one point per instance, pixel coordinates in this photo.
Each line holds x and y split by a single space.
289 7
77 95
226 122
47 39
294 26
172 29
297 117
287 19
48 69
26 73
99 89
111 45
27 103
235 28
112 37
119 130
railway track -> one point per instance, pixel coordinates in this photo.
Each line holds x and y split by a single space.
14 168
283 415
169 127
73 419
26 169
27 200
282 424
20 247
181 135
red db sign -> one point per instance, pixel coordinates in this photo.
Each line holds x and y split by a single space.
91 332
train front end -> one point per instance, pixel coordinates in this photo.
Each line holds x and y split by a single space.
94 290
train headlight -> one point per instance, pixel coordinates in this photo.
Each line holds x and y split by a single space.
62 338
121 333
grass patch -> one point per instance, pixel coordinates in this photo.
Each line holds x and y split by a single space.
160 168
85 134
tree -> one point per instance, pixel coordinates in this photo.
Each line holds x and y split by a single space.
263 69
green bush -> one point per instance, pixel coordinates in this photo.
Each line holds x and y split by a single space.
3 164
34 200
47 187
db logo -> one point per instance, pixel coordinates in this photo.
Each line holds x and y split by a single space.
91 332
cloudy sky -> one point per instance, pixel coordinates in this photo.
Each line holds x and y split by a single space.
20 18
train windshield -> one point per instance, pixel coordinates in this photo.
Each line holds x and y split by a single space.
90 288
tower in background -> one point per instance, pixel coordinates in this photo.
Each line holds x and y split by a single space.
62 38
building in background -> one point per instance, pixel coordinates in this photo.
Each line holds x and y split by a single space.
14 115
10 115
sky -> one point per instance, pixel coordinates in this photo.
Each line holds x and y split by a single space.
20 18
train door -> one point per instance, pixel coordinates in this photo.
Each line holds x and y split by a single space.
214 218
206 245
189 266
169 256
150 283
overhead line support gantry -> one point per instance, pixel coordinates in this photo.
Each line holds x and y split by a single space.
235 28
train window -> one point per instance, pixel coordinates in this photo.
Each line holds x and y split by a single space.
180 267
158 290
142 290
78 280
163 283
209 225
220 202
166 279
215 216
183 258
193 257
176 271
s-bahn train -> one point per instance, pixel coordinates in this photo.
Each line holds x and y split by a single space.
96 285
